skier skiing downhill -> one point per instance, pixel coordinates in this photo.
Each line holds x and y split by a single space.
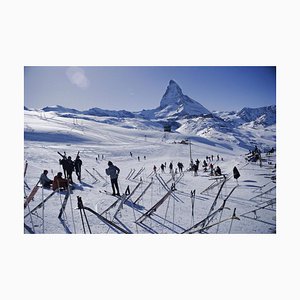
113 171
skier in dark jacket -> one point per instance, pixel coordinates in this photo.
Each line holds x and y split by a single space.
236 173
77 165
218 171
113 171
69 169
64 163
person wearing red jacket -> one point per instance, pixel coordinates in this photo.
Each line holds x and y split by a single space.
59 182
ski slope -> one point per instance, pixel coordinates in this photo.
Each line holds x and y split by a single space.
100 139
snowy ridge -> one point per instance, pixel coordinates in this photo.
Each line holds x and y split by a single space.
186 116
263 115
175 104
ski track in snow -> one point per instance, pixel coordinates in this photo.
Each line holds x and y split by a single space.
47 134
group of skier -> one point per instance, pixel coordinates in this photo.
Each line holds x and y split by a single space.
68 166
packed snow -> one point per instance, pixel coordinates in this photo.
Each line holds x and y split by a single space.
246 205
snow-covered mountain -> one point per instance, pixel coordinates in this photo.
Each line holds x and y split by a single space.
263 115
186 116
174 104
60 109
108 113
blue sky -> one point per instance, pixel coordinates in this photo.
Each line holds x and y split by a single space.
137 88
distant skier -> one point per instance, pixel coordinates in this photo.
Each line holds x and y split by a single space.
77 165
236 173
162 168
197 163
154 169
180 167
138 158
45 181
59 182
171 167
130 153
211 166
195 169
113 171
70 169
218 171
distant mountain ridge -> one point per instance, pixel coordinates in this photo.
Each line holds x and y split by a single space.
187 116
175 106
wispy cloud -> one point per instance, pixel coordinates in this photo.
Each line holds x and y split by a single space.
77 76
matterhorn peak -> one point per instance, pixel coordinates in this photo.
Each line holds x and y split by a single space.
173 94
175 103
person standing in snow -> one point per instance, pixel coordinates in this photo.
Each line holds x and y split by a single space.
70 169
113 171
77 165
63 162
44 180
154 169
236 173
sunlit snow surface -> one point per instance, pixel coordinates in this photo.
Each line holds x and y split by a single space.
109 138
